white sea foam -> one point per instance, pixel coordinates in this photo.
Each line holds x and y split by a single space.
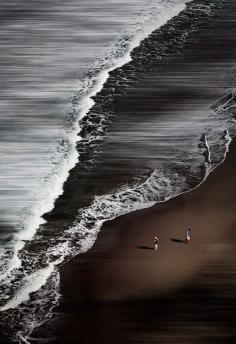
206 146
30 284
226 102
228 139
13 263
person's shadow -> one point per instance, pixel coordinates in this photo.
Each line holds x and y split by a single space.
145 247
178 240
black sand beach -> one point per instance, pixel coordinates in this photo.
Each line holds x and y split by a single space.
121 291
155 109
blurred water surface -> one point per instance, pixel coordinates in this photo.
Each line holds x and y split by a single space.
46 46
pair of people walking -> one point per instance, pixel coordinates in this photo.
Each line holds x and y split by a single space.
187 239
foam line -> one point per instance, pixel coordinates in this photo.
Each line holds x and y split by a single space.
30 285
14 262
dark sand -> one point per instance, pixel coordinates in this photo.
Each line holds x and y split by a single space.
122 291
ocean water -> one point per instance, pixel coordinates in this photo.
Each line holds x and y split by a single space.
95 50
46 49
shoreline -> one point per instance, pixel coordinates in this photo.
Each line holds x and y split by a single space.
116 272
132 220
120 269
